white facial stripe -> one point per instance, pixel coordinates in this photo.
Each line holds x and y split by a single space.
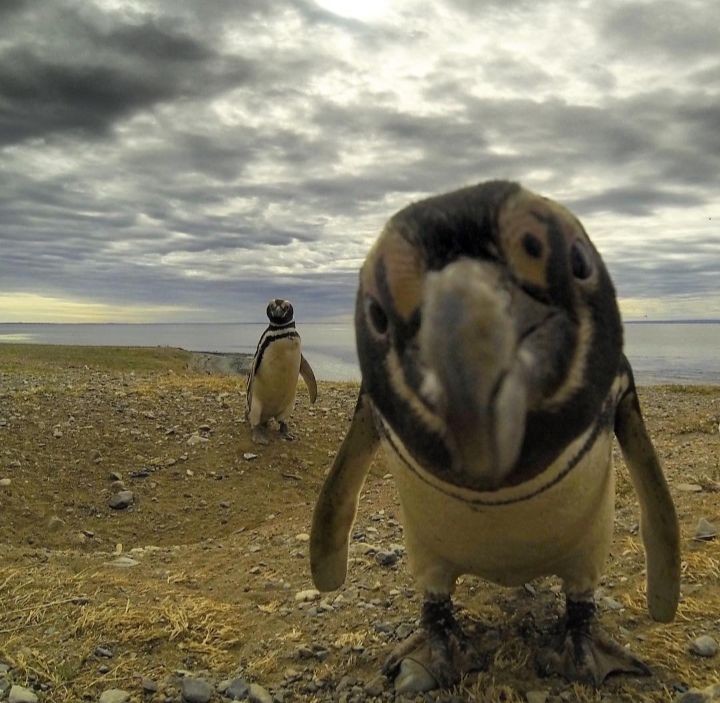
403 390
576 370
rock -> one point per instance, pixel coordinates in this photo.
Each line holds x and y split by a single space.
5 482
237 690
4 668
387 558
196 439
711 694
55 523
5 686
114 695
302 537
123 562
413 678
689 487
376 686
149 686
115 476
18 694
249 456
122 500
257 694
705 530
611 603
307 596
704 646
536 696
196 691
103 652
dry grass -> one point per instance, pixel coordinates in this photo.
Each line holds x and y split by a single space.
193 602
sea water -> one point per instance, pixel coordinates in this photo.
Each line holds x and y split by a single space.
659 352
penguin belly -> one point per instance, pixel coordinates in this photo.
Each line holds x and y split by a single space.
275 382
559 523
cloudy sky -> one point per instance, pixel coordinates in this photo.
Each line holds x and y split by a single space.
169 160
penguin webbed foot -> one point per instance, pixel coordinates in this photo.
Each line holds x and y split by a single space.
586 653
285 432
259 435
434 657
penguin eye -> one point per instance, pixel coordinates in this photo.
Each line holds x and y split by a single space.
532 245
579 262
377 315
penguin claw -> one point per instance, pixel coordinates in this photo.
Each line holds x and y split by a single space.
285 433
422 664
590 657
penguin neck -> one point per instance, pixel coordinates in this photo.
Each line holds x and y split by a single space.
282 325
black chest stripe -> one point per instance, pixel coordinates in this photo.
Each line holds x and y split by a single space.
265 343
600 424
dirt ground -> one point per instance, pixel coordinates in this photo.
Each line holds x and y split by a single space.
201 574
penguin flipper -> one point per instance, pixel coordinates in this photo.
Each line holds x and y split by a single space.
309 377
337 503
658 524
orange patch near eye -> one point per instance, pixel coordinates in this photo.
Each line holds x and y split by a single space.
405 270
523 237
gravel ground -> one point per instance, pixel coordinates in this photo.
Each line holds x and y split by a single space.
150 552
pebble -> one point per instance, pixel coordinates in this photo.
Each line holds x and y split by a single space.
705 530
103 652
307 596
257 694
249 456
611 603
413 678
376 686
195 439
18 694
122 500
149 686
302 537
704 646
387 558
196 691
536 696
114 695
124 562
711 694
237 690
5 482
689 487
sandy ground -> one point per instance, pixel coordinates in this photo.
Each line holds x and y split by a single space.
201 574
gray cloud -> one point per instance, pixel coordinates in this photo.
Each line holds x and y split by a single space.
214 154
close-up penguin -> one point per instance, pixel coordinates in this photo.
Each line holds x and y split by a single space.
493 375
273 377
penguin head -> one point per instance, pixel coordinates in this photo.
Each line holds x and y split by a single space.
488 332
280 312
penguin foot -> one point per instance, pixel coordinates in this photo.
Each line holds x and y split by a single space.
285 432
259 435
586 653
434 657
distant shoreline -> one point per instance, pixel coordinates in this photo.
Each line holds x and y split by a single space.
230 363
690 321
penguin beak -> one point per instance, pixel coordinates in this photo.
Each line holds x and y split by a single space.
477 373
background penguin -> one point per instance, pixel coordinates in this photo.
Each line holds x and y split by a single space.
272 381
490 345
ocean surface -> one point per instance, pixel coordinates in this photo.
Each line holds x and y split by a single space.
666 352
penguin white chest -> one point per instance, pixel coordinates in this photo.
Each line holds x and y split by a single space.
275 381
512 535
